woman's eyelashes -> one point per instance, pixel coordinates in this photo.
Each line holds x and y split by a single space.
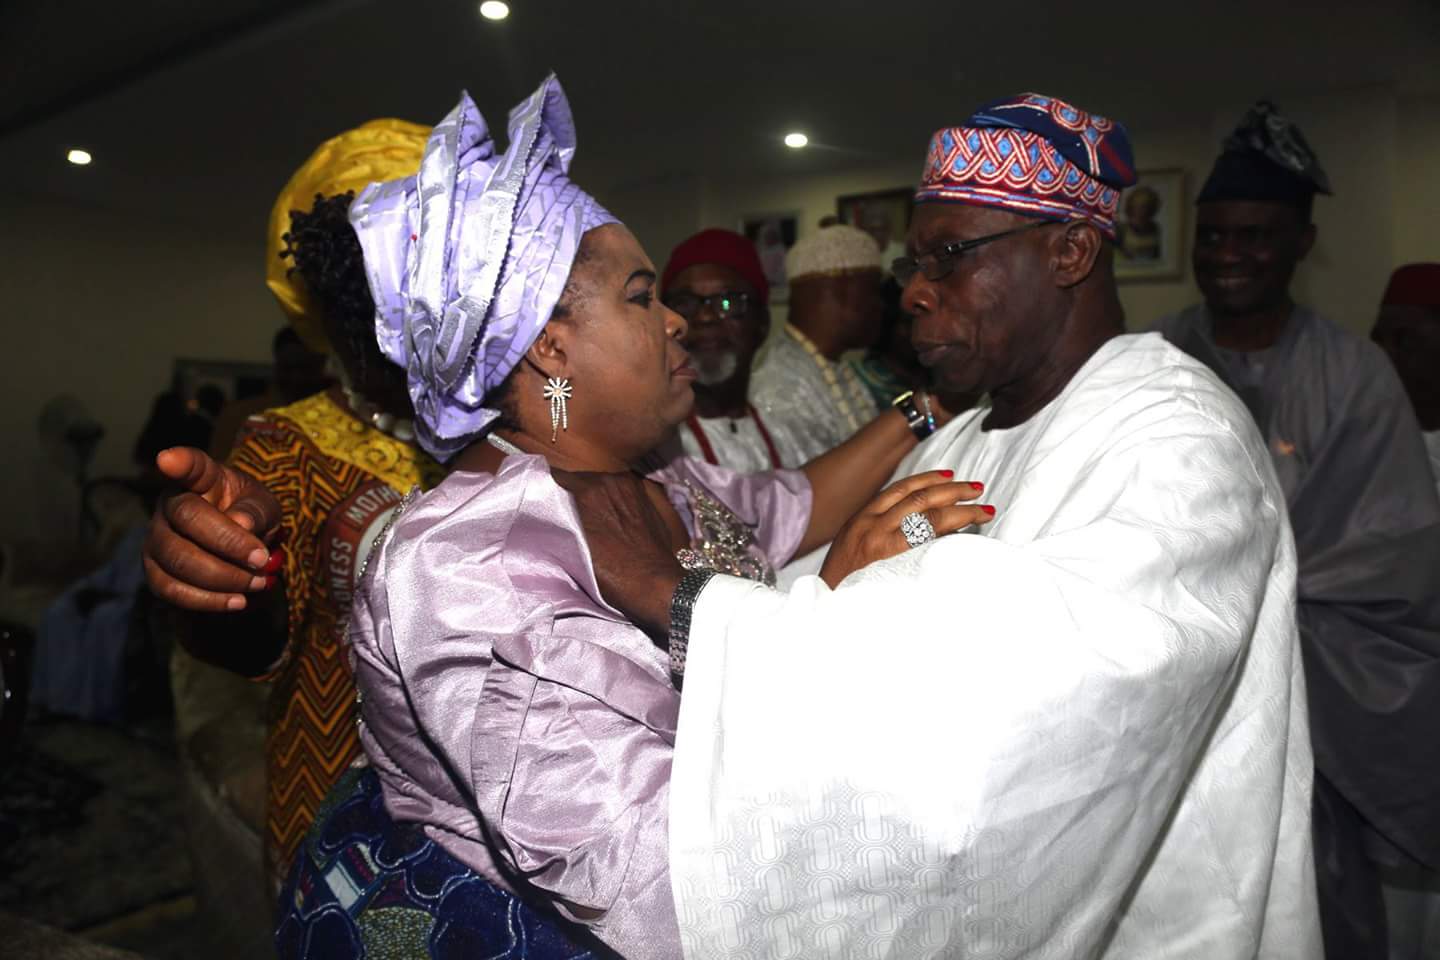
645 298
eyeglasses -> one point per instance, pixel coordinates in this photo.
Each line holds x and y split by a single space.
940 263
727 306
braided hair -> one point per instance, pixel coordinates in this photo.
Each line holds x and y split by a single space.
326 252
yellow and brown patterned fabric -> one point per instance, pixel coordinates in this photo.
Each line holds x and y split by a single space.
338 480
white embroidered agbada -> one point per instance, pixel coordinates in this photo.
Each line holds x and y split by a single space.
749 444
1081 733
791 390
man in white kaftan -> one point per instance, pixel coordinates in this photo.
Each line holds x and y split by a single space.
1079 732
1097 747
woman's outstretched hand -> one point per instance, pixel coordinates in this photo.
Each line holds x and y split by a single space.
207 545
874 533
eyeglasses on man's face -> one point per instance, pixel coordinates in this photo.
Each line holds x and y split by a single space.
729 305
939 263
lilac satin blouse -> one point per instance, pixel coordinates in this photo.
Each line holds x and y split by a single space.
508 708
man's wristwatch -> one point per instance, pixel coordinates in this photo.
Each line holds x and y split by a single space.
682 603
918 417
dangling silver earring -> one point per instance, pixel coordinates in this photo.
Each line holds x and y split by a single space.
558 391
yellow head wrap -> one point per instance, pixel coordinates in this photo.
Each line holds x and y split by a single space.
374 151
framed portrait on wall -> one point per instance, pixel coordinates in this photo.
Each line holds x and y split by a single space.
209 385
1151 228
773 235
884 214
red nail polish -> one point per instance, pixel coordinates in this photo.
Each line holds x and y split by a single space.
947 473
276 561
977 485
988 509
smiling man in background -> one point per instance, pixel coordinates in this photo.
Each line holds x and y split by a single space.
1350 458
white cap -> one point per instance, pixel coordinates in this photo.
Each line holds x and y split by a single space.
830 251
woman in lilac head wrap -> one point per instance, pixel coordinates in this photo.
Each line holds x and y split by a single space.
519 729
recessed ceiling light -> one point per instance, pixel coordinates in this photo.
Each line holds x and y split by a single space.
796 140
494 10
80 158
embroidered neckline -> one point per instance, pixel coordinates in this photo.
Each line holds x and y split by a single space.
337 433
722 542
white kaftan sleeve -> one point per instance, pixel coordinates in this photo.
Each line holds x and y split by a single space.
974 748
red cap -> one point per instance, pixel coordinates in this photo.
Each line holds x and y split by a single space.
725 247
1414 285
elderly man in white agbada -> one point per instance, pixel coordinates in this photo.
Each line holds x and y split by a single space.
1079 731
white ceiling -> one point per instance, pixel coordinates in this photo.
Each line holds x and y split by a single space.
201 110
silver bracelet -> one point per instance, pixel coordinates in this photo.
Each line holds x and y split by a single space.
682 604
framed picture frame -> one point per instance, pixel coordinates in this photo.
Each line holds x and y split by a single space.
773 235
211 384
1150 224
884 214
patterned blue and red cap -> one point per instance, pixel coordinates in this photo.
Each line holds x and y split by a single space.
1033 155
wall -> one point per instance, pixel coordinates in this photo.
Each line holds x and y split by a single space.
1356 137
726 204
99 305
660 213
1416 185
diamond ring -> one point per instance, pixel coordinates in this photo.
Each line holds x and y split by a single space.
917 529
